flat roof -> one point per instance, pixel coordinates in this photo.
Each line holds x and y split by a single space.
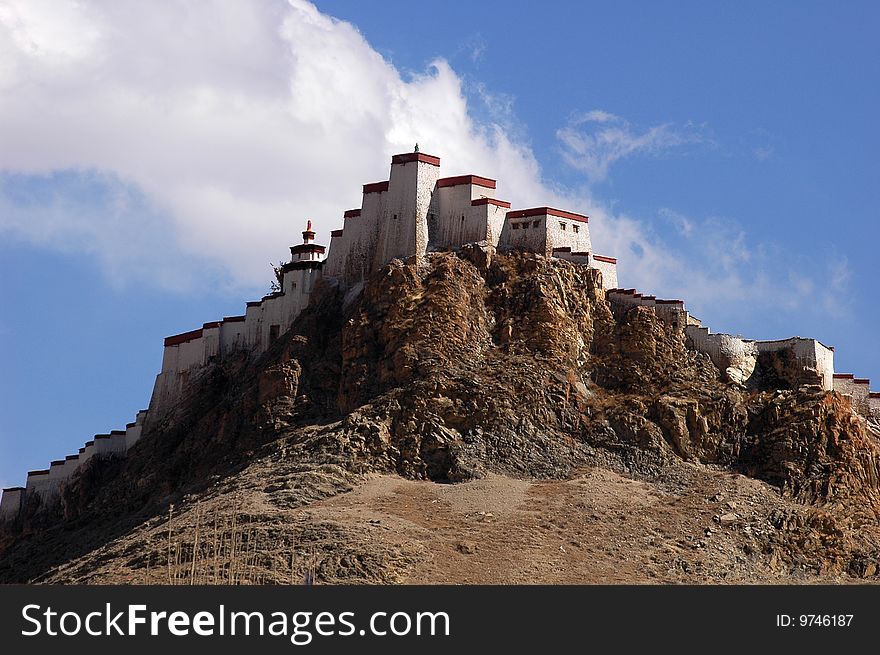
548 211
376 187
408 157
474 180
490 201
183 337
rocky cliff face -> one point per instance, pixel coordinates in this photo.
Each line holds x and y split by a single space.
469 365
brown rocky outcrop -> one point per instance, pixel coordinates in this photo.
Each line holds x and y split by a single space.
473 363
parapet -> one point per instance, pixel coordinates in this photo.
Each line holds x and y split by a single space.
477 202
864 401
548 211
178 339
45 483
472 180
376 187
409 157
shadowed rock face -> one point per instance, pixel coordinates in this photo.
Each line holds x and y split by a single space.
476 363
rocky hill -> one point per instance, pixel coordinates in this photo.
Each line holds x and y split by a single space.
477 417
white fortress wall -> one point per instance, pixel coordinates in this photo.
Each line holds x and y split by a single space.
337 253
132 431
542 229
37 483
253 324
734 356
132 434
10 503
117 442
181 353
622 299
191 353
71 464
672 312
456 215
273 306
608 268
210 342
403 230
492 213
361 233
858 389
86 452
45 483
808 353
524 231
567 229
727 351
103 445
861 395
232 334
449 212
573 257
874 405
56 477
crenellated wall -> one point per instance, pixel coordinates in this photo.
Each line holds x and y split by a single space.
11 502
858 389
811 357
48 482
805 360
874 405
608 267
672 312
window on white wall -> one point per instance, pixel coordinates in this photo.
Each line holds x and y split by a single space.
575 228
536 223
562 226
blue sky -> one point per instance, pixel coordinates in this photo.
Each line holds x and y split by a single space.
154 158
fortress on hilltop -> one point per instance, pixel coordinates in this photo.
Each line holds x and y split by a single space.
412 213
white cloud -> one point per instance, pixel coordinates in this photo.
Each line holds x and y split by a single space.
594 149
474 47
185 144
235 121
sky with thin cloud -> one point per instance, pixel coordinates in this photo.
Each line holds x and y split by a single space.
156 157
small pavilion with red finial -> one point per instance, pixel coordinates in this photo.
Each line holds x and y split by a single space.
308 250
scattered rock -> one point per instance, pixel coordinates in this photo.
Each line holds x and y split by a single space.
728 519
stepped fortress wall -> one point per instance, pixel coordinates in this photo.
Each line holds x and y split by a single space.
412 213
736 357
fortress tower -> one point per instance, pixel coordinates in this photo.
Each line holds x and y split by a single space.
416 211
